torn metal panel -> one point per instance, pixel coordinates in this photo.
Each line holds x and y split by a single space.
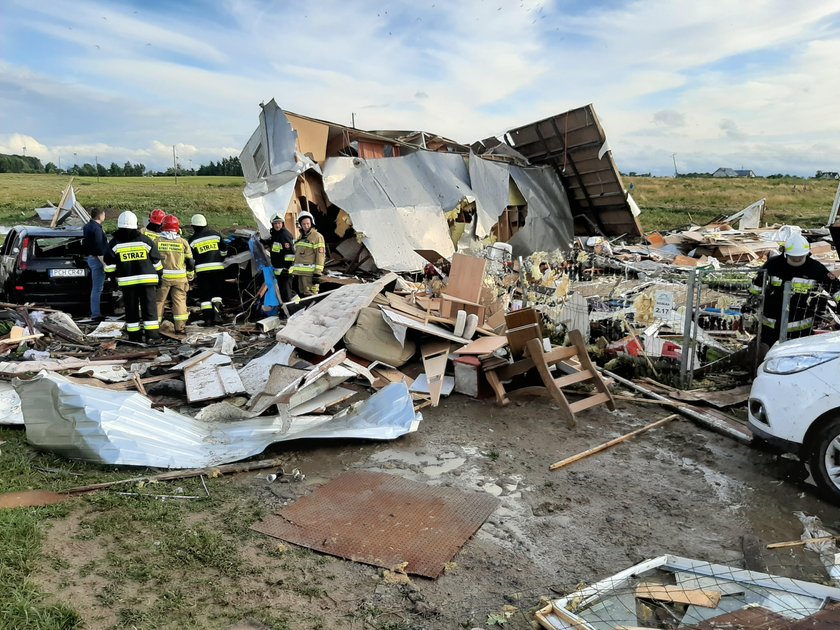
548 225
399 203
490 183
271 165
575 146
109 427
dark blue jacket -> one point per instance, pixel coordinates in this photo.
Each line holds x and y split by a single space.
94 240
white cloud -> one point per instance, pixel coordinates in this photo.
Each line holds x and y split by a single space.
708 82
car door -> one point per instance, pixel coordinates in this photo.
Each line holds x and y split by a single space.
8 255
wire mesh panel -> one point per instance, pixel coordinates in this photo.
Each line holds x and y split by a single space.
721 321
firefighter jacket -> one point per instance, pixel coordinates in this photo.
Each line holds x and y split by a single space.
151 230
310 253
209 250
134 258
282 250
176 256
804 280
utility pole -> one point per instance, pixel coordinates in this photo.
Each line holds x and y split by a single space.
674 157
24 150
174 164
96 159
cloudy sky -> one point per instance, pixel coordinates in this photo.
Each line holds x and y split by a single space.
748 84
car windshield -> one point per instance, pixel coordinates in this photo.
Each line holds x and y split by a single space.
56 246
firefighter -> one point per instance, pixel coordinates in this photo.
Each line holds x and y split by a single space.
135 261
178 270
153 227
282 255
310 253
209 251
805 274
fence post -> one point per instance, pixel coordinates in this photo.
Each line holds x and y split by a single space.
785 316
688 337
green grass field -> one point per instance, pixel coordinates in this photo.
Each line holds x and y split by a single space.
220 198
665 202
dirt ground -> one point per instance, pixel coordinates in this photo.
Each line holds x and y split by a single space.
680 490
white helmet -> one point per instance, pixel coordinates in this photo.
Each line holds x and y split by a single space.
306 215
198 220
797 245
128 220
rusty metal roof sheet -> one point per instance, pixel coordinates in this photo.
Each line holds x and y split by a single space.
383 520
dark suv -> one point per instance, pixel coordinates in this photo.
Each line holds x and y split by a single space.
48 266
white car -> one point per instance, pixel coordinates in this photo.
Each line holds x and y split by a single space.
795 405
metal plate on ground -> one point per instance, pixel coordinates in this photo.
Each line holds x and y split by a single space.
383 520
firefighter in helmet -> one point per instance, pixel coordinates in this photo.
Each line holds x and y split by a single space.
135 261
282 246
310 254
209 250
178 270
805 275
155 224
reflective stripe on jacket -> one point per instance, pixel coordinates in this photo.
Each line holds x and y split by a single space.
176 256
310 254
208 249
134 258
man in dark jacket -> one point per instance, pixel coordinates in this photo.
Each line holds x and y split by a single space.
95 244
209 251
135 261
805 275
282 245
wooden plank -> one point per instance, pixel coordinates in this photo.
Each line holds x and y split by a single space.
208 381
611 443
756 618
678 594
435 357
484 345
571 379
403 320
466 277
590 402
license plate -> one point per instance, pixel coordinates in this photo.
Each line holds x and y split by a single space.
67 273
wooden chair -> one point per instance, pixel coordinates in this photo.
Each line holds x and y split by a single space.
525 339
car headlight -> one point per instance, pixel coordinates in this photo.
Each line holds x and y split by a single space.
798 362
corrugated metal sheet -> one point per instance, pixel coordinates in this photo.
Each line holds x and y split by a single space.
574 145
102 426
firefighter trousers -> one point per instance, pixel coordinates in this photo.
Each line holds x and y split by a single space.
210 284
284 283
177 291
307 286
140 311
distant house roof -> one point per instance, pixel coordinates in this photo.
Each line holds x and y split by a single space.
731 172
725 172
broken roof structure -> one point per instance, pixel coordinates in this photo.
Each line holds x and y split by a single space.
406 191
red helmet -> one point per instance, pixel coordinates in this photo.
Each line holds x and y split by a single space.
171 223
157 216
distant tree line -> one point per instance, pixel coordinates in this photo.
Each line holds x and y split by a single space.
28 164
20 164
